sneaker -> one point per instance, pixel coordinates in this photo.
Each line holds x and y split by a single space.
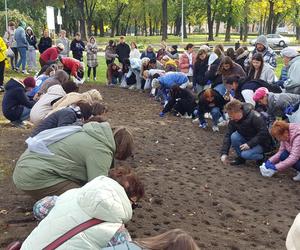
132 87
95 78
18 124
215 129
16 69
207 116
297 177
25 72
195 120
88 79
2 89
203 125
238 161
222 122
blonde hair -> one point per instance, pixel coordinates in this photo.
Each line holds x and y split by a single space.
175 239
92 95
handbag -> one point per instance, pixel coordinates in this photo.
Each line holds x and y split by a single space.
10 53
16 245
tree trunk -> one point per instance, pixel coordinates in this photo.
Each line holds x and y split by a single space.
164 20
261 24
150 26
229 22
245 23
297 23
127 24
241 32
210 21
275 23
101 27
184 26
118 28
271 16
218 22
135 28
177 25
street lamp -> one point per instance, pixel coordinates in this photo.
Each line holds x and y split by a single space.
6 19
182 21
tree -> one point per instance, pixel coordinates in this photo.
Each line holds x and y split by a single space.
164 20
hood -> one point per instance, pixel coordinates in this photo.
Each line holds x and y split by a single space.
101 132
244 54
263 40
14 84
61 76
56 90
247 108
295 59
266 67
105 199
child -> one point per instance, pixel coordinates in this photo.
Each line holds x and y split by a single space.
92 61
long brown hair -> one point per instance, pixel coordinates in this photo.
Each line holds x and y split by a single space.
225 60
175 239
256 57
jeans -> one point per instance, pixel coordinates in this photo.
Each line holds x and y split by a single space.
215 113
25 114
284 155
255 153
31 59
221 89
22 60
116 79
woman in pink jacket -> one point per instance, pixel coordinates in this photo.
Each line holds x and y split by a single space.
288 154
187 60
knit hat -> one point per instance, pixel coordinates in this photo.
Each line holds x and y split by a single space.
289 52
155 83
262 40
29 82
60 46
260 93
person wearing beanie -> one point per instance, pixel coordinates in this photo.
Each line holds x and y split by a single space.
50 55
22 46
31 52
262 47
278 105
291 60
16 105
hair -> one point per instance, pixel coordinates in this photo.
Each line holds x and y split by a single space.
230 52
218 52
175 239
98 108
77 34
225 60
92 37
122 37
85 109
239 51
175 89
11 23
152 60
256 57
245 48
234 106
70 86
208 93
170 68
97 118
124 143
189 46
111 42
231 79
220 46
48 71
156 75
134 44
63 31
201 52
279 128
118 172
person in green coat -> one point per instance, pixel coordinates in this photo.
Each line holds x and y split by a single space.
73 160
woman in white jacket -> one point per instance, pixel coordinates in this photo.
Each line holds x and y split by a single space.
102 198
134 52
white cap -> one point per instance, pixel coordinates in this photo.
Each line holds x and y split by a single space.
289 52
60 46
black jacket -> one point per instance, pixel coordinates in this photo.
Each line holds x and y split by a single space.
252 127
200 67
77 48
123 51
183 94
45 43
31 40
14 100
212 76
205 107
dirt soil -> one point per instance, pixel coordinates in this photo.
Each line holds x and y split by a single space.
223 207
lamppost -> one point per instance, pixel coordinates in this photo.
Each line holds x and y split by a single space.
6 19
182 21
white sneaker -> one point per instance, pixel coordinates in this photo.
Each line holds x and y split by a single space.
196 120
132 87
215 128
297 177
88 78
95 78
25 72
207 116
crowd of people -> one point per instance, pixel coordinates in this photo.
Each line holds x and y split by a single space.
235 88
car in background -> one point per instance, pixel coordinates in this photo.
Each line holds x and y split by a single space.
275 40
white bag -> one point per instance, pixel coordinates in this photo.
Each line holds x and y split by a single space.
265 171
123 83
295 117
10 53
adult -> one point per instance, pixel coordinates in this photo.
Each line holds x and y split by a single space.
262 47
122 50
92 57
9 38
247 133
172 52
291 60
241 56
200 68
149 53
231 53
41 170
293 237
259 70
65 41
155 64
110 52
288 154
187 61
109 200
72 66
277 105
212 76
31 52
77 47
134 52
16 105
3 49
162 51
22 46
45 42
50 55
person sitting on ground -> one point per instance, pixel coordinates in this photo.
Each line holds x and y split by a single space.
259 70
210 101
288 154
262 47
44 105
278 105
52 165
293 236
72 66
247 133
291 60
181 100
75 113
114 74
109 201
241 56
16 105
49 56
149 53
77 47
200 68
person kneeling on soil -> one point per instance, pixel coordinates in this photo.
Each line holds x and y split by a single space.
16 105
288 154
107 202
182 100
247 133
67 157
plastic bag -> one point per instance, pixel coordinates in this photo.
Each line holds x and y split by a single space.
265 171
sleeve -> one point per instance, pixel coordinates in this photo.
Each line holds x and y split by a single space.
82 46
276 158
23 99
72 46
66 118
227 139
270 77
259 125
169 105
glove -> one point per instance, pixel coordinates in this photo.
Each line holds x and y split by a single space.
266 172
270 165
289 110
161 114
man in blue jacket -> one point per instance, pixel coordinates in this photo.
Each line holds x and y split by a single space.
22 46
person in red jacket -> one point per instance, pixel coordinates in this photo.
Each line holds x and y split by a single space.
73 67
50 55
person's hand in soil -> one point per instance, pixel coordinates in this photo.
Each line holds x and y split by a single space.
244 147
224 159
161 114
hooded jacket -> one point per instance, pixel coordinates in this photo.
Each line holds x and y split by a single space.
44 105
102 198
292 146
59 77
252 127
240 59
292 84
293 237
20 38
79 157
168 80
184 64
211 75
31 39
14 100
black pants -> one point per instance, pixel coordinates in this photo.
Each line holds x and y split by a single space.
94 71
2 68
184 106
108 62
14 60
